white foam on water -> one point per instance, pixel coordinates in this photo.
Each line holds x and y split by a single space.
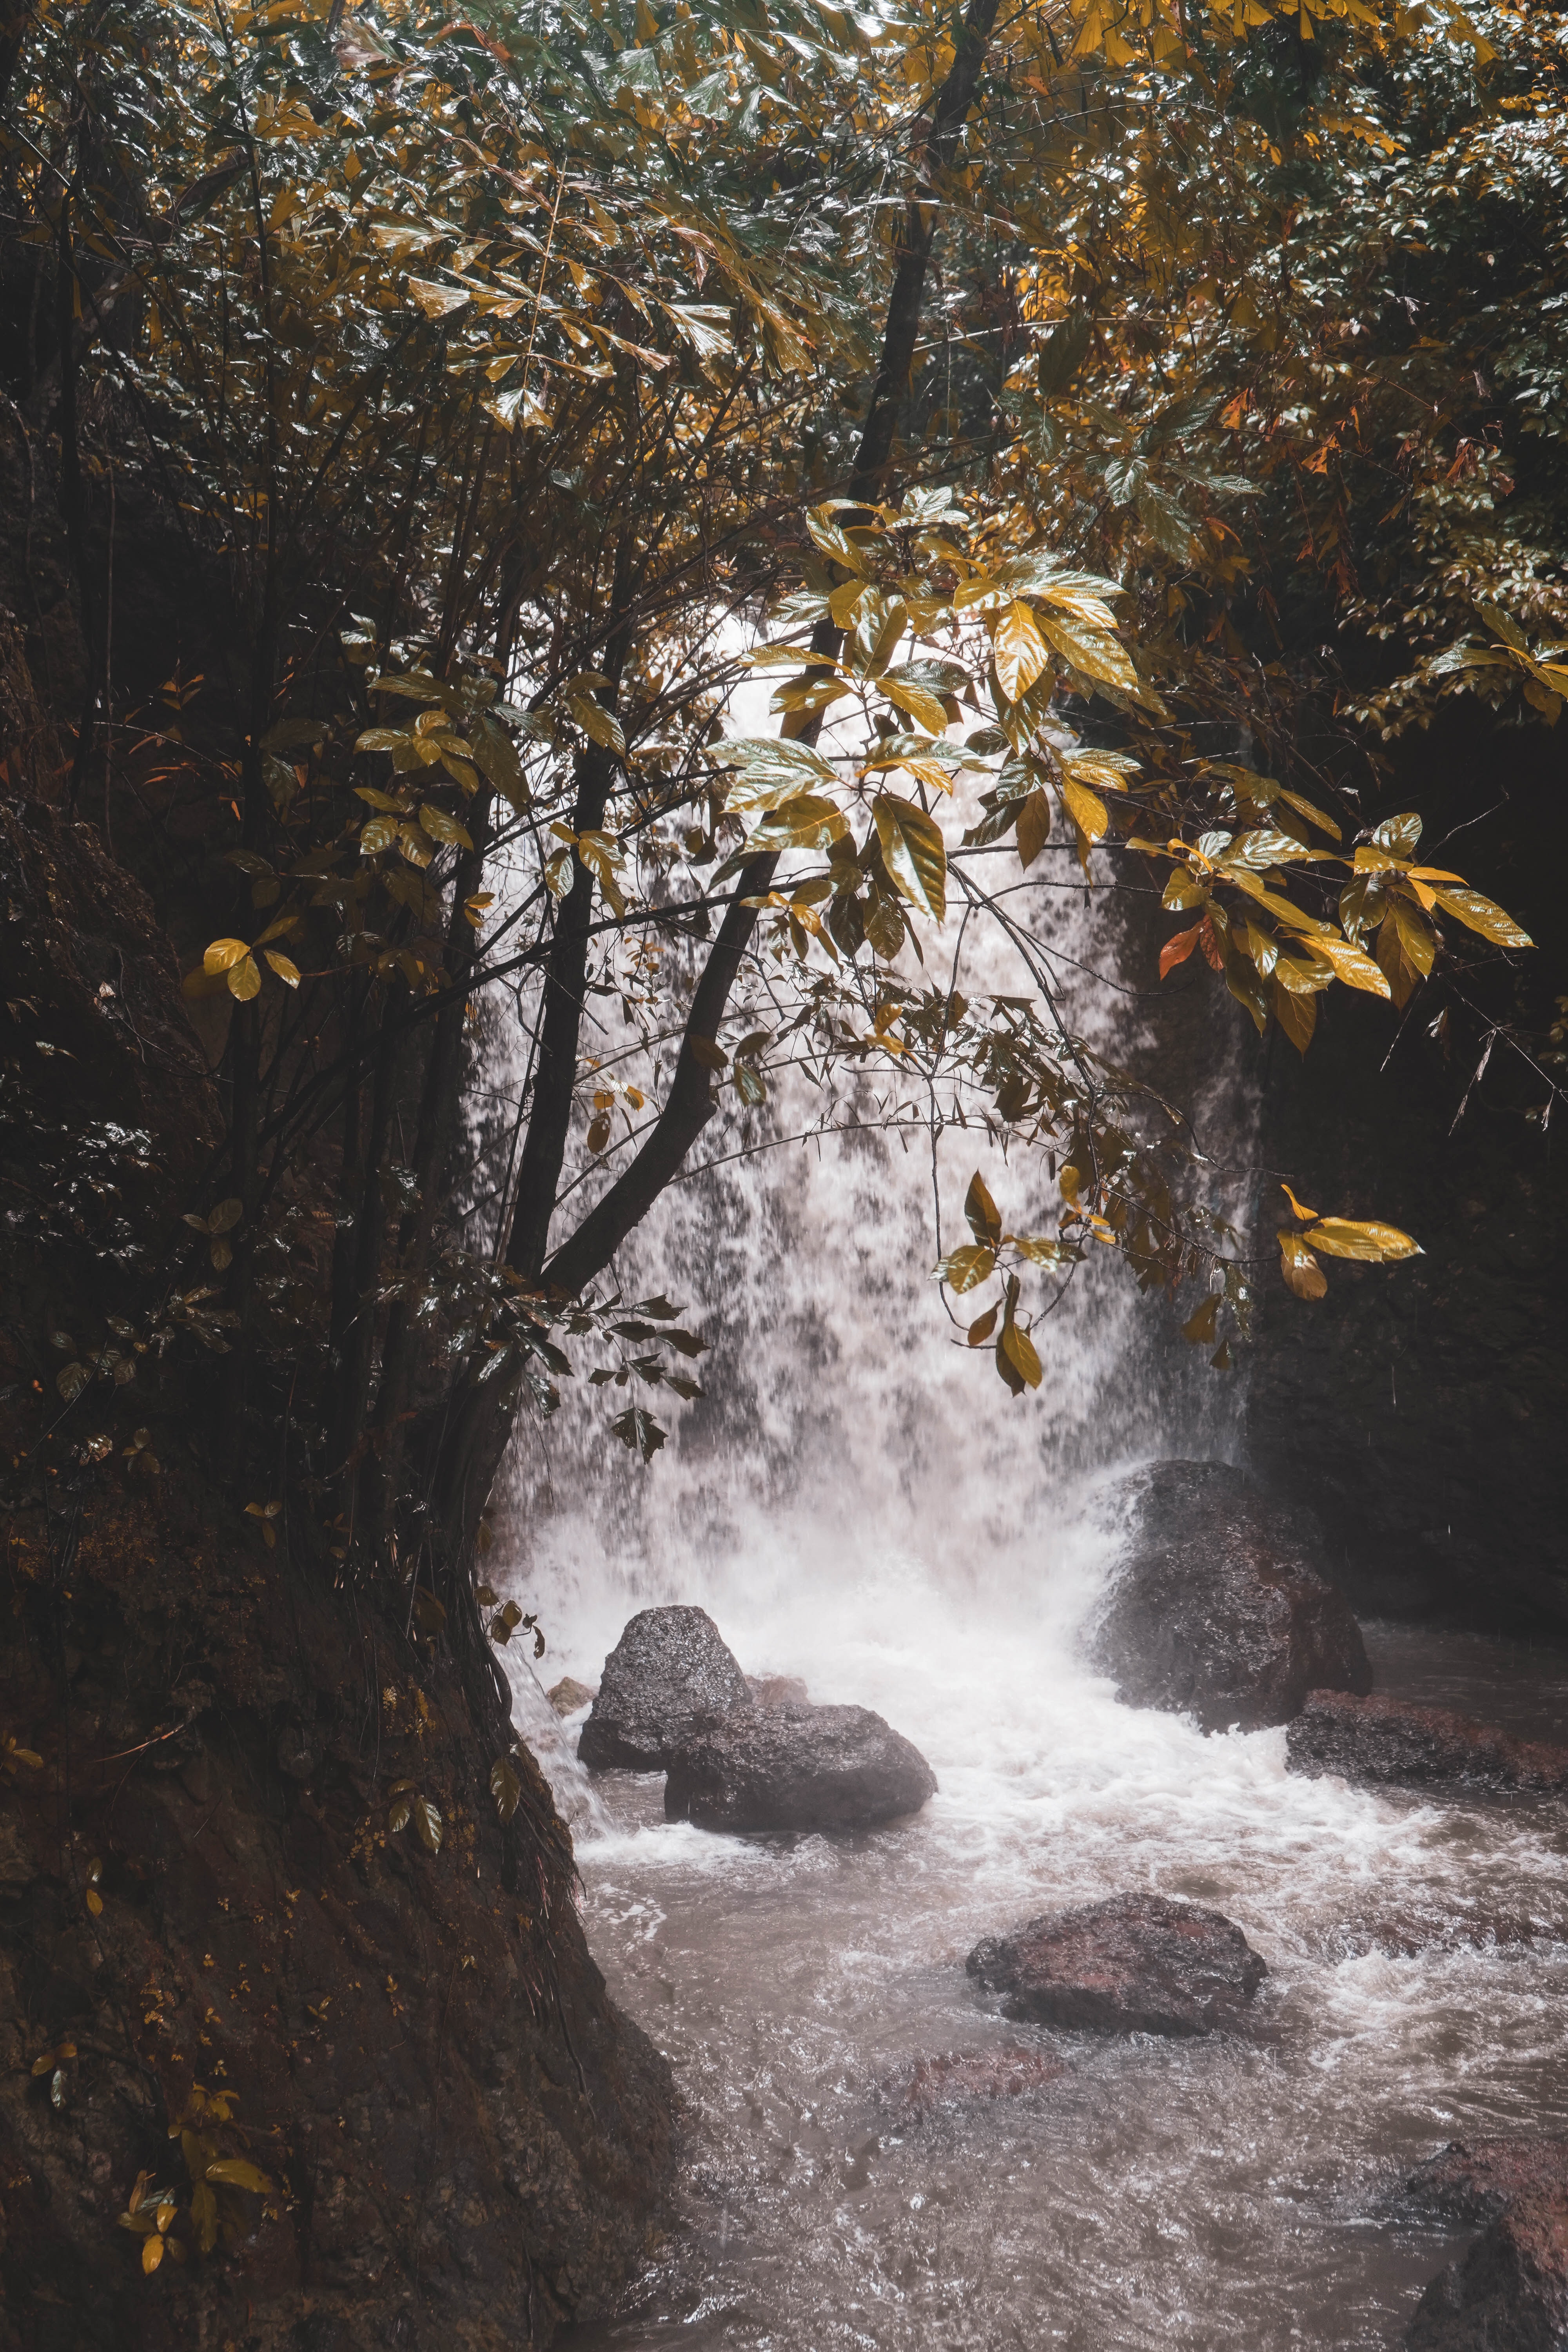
858 1502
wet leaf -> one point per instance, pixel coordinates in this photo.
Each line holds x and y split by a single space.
1034 826
968 1267
912 853
1379 1245
1199 1325
983 1215
1300 1269
1018 649
236 2173
1016 1361
1482 916
639 1432
427 1824
1177 950
981 1329
1087 810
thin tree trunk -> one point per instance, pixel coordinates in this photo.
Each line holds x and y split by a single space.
478 1423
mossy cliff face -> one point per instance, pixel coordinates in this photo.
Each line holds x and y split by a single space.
465 2143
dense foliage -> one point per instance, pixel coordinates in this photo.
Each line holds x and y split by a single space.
1039 405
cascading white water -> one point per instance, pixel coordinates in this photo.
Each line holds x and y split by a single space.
859 1501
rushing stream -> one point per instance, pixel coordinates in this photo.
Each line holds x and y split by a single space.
859 1503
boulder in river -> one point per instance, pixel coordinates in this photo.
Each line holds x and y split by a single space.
1510 2291
964 2077
568 1695
778 1690
796 1768
669 1677
1216 1607
1391 1739
1471 2182
1130 1964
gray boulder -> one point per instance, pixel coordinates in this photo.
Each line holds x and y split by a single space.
669 1677
796 1768
1392 1740
1130 1964
1216 1608
1510 2291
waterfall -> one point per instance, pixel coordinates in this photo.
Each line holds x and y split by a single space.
847 1434
857 1500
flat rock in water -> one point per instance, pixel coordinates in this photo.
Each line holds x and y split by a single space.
1391 1739
567 1695
797 1767
1216 1608
669 1677
1472 2181
963 2077
1131 1964
1510 2291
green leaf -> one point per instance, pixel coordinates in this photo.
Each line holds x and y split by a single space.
912 852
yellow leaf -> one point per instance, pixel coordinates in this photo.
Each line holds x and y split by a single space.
1019 650
1300 1269
1019 1351
1034 826
1352 964
152 2254
922 708
1095 652
436 302
224 954
1199 1326
288 971
245 980
237 2174
444 828
1379 1245
1306 1215
1482 916
912 852
967 1267
1087 810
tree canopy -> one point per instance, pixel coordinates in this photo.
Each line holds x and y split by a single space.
1040 403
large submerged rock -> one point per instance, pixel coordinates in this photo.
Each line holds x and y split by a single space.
669 1677
1130 1964
1472 2181
1510 2291
1216 1608
1391 1739
797 1767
